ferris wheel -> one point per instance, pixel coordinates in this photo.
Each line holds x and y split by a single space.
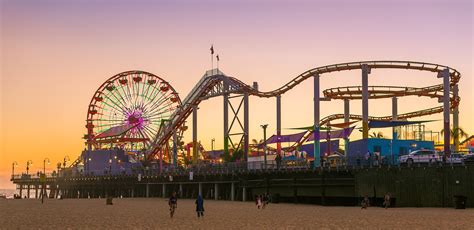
128 109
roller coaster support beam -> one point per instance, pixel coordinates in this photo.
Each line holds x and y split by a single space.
456 119
446 87
278 108
175 149
365 101
246 126
226 117
316 99
394 116
195 144
346 120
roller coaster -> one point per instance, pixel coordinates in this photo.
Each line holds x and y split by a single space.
214 83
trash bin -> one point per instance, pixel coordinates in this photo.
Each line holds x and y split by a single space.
460 202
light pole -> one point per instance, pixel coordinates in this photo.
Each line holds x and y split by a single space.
264 127
58 166
212 143
28 163
14 164
44 165
65 160
44 179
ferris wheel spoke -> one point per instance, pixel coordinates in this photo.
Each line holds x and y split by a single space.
111 120
122 108
134 91
153 86
122 105
125 95
160 108
114 116
151 128
145 96
158 114
153 98
128 89
158 117
158 103
110 124
118 109
149 97
143 134
123 101
151 132
149 135
143 84
140 94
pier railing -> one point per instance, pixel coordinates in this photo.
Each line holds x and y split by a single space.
296 164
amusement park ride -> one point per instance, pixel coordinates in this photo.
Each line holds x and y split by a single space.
140 112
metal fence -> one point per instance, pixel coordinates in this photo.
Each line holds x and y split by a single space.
334 163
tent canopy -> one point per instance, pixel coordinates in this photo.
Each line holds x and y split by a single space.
286 138
342 133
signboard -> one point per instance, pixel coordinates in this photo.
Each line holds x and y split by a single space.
139 177
191 175
42 178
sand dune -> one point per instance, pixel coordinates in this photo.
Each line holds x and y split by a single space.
153 213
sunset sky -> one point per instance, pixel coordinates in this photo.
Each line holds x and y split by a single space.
55 54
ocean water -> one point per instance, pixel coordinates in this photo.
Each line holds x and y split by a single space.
8 192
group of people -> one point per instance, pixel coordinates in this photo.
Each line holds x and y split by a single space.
374 159
262 200
366 202
173 204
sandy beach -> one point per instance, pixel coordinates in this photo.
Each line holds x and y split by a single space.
153 214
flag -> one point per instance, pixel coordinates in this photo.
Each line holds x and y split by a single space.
217 56
212 49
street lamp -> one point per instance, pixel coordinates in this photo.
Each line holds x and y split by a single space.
65 160
212 143
14 164
44 165
58 166
44 179
28 163
264 127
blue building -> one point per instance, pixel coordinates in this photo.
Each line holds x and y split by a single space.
387 149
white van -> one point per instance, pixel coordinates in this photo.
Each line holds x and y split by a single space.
420 156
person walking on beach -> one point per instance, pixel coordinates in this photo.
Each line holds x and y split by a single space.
264 200
173 203
386 200
258 201
365 202
200 206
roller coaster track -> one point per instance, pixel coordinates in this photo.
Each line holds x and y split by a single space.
214 83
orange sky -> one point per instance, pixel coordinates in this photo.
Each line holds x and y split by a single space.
55 54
